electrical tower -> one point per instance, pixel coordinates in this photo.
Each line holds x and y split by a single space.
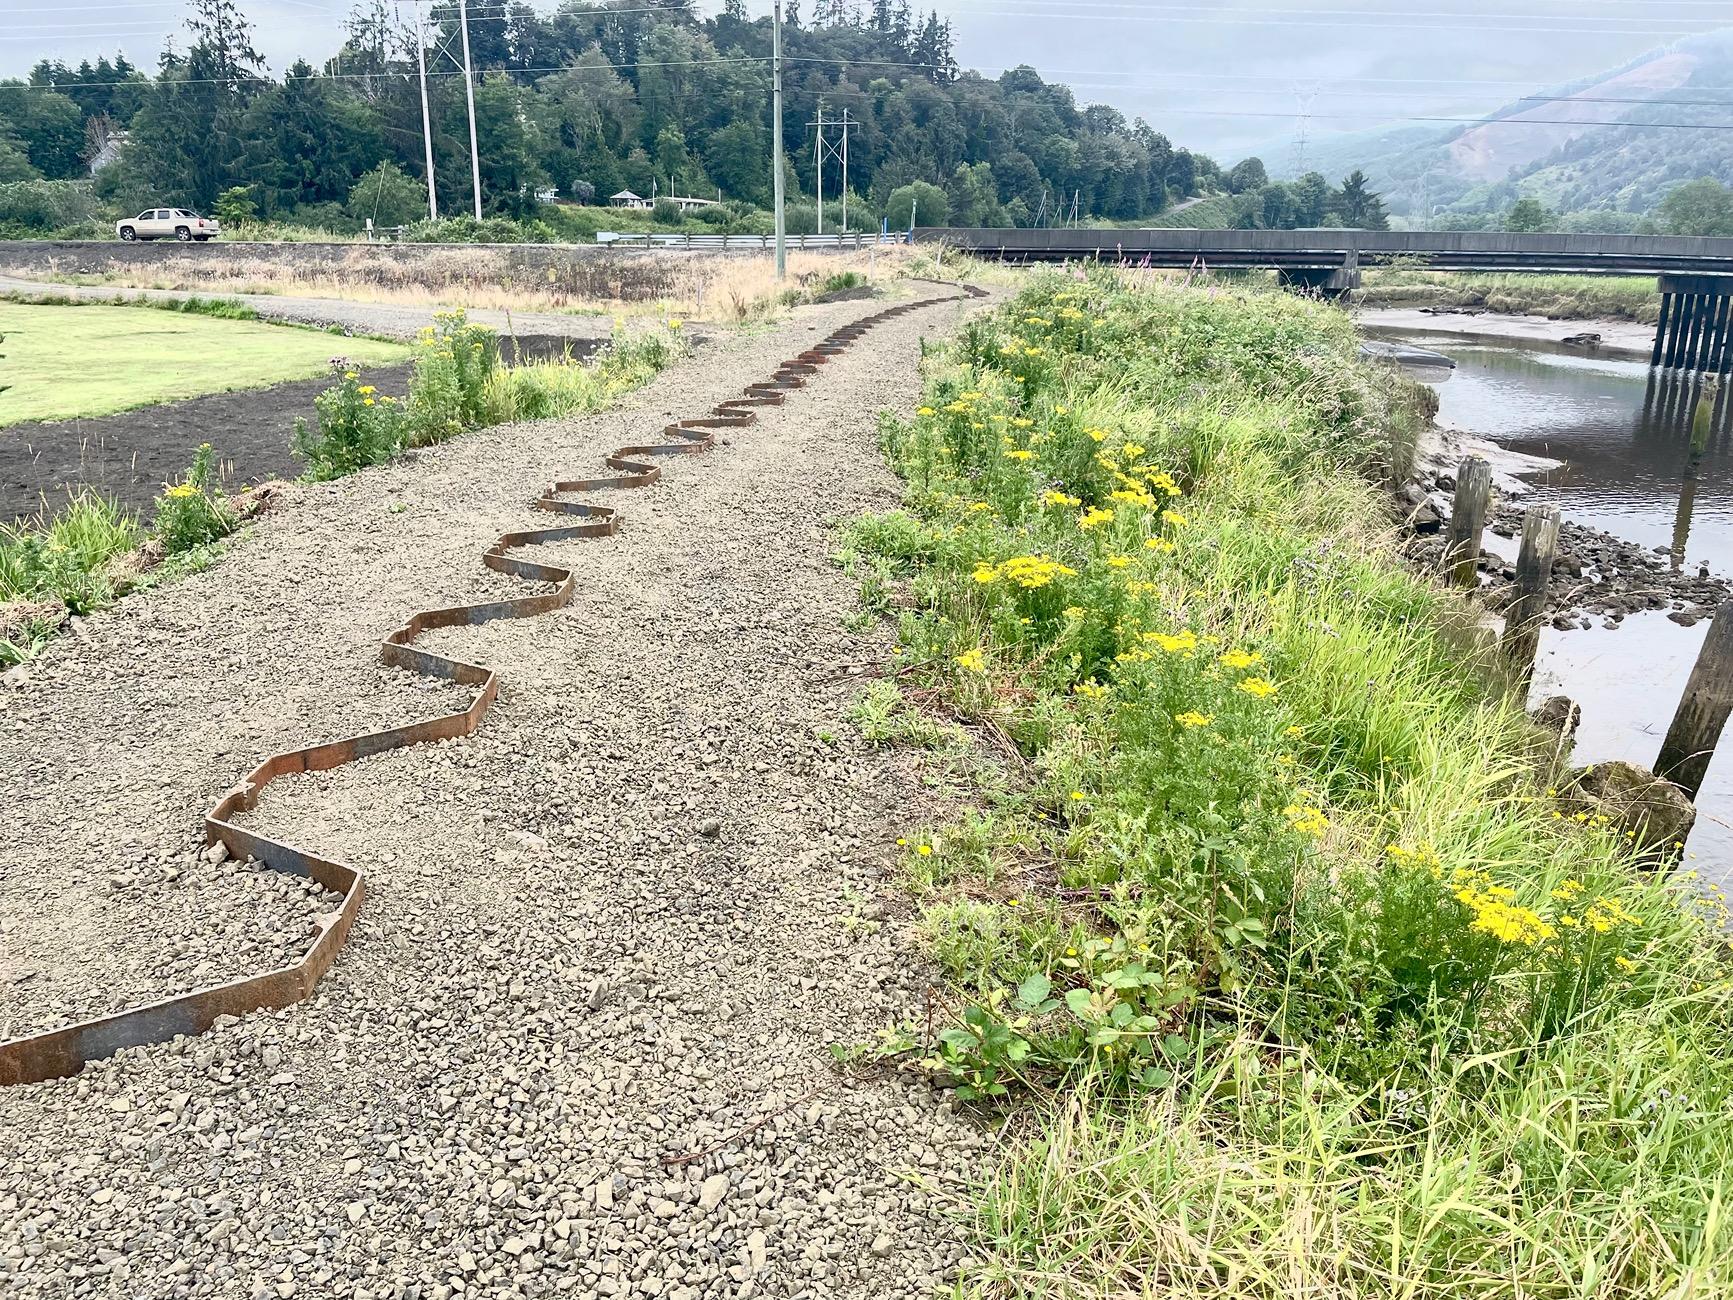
822 148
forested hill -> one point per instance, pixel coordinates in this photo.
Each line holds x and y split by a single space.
592 99
1603 151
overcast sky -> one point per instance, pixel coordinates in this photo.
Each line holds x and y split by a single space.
1222 77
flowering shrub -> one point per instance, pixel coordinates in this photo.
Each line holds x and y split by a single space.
1235 716
194 512
1275 880
447 393
357 426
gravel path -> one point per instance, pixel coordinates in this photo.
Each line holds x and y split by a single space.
618 925
392 320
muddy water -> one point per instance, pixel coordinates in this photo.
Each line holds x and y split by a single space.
1622 442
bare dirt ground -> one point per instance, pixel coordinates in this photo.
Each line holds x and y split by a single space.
619 925
131 455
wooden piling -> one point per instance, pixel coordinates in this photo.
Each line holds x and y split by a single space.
1716 358
1683 314
1467 520
1522 624
1703 709
1661 329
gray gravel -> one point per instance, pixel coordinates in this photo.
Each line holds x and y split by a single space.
618 926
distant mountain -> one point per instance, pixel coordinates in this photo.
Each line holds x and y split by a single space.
1595 147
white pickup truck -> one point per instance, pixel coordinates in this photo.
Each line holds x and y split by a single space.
167 223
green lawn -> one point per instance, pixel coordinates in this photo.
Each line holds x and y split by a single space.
61 362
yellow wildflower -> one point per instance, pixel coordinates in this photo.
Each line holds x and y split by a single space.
1260 688
1192 718
972 660
1174 519
1306 819
1118 561
1235 660
1182 642
1093 517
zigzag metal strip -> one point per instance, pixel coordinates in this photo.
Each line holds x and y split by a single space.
63 1052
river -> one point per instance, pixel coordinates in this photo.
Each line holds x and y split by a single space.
1621 442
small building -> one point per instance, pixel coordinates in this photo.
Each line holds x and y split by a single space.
627 199
108 152
548 194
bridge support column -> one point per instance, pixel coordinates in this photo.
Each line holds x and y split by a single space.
1321 281
1693 333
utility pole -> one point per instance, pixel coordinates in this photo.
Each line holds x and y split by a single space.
426 115
818 164
847 124
776 142
469 93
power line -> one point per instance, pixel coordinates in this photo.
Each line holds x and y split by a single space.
844 64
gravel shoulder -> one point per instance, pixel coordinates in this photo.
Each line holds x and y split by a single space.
618 926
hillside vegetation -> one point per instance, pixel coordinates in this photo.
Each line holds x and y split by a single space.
1599 174
590 99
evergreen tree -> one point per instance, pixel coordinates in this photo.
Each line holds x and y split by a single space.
734 9
1358 207
882 16
225 36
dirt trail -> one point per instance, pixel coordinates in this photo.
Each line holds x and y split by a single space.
619 924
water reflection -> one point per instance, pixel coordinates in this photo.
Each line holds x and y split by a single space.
1633 460
1621 433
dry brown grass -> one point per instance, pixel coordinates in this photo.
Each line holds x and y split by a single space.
726 289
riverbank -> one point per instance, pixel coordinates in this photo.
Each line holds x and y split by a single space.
1556 297
1271 922
1623 339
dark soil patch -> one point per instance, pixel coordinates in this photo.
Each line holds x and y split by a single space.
130 456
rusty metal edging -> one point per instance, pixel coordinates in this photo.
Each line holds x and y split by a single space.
59 1053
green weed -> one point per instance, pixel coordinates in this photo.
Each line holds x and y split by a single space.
1342 1002
194 512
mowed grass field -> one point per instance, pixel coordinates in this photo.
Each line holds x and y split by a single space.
62 362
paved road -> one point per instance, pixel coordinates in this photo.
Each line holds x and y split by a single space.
394 320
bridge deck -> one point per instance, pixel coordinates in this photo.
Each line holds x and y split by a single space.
1328 250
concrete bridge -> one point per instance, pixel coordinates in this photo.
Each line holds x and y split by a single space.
1695 275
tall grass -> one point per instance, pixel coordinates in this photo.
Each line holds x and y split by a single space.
458 384
541 390
1334 997
729 289
1560 297
67 555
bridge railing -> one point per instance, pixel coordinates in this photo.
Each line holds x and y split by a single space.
743 243
1321 248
